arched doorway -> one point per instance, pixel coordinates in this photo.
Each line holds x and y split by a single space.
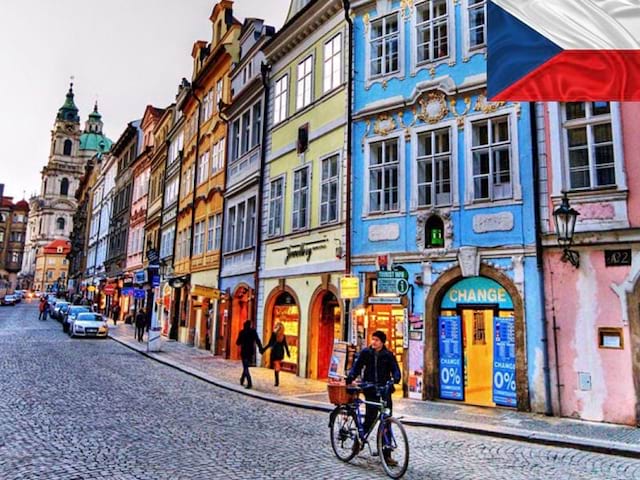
325 326
240 312
283 306
633 302
460 319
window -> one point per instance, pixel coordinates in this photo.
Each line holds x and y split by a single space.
383 176
203 168
589 140
332 63
64 187
241 225
384 43
250 230
219 88
477 23
235 139
166 242
300 199
434 168
217 156
245 141
60 223
280 99
305 75
491 152
171 191
67 147
198 238
231 228
1 236
211 225
276 197
432 30
329 190
218 236
15 258
256 122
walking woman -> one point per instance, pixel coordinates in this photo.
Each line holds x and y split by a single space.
278 345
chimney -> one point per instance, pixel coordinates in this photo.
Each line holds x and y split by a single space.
1 190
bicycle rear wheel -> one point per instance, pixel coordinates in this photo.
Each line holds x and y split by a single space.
393 446
344 433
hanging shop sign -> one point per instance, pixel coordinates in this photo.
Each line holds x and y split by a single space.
384 300
477 290
504 362
155 281
127 291
140 277
451 368
139 293
395 282
202 291
109 289
349 287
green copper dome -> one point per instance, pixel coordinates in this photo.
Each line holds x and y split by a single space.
69 112
92 141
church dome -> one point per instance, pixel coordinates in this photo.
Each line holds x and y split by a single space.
93 141
68 112
22 205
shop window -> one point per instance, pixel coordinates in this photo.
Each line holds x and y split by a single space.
434 232
479 328
286 311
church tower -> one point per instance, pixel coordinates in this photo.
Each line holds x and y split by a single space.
51 212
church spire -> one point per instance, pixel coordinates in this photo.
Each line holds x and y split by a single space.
69 112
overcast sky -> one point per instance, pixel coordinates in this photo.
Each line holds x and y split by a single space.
124 53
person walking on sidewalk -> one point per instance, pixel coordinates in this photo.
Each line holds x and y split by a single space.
247 340
141 324
41 308
278 345
116 313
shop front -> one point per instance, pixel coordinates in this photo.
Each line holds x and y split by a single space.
236 310
283 307
325 326
203 299
475 342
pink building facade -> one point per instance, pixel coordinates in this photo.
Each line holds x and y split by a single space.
591 151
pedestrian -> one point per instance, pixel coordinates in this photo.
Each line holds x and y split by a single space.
247 340
116 313
41 307
376 365
141 323
47 310
278 345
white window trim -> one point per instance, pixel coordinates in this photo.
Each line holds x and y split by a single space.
312 82
340 80
283 115
453 129
516 187
234 203
367 51
339 204
560 162
451 38
401 174
467 51
309 168
282 177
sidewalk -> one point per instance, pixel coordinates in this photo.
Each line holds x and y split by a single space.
311 394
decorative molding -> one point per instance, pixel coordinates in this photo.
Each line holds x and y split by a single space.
460 116
496 222
406 9
383 232
367 130
433 108
366 21
421 222
384 125
407 128
469 261
486 107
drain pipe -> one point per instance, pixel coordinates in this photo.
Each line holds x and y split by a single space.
347 239
548 406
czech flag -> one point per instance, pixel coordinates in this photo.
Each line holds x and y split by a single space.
563 50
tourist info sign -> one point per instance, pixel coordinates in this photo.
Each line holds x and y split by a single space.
394 282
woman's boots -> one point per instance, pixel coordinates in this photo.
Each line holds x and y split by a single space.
277 374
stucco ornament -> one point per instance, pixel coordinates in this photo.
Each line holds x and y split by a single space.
460 116
485 106
433 107
469 261
421 223
407 126
406 7
385 232
494 222
384 124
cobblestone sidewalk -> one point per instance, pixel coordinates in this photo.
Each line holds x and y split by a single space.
307 393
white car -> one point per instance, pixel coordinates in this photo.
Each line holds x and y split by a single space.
89 324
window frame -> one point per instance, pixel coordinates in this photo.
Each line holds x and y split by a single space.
469 50
297 226
277 230
281 99
400 173
415 185
306 81
324 182
371 77
328 64
449 21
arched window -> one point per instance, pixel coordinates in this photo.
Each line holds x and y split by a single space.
64 187
60 223
434 232
66 149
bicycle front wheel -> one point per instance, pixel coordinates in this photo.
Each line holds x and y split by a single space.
393 447
344 433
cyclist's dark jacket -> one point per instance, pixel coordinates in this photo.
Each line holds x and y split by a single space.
378 367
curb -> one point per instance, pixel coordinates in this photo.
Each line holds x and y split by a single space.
528 436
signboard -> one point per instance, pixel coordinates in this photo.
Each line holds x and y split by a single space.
109 289
385 300
338 360
91 288
155 281
451 368
153 257
616 258
394 281
138 293
477 290
140 277
504 362
349 287
202 291
127 291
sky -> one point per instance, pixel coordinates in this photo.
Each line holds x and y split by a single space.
125 54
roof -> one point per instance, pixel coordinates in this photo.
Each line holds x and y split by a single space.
69 112
22 205
91 141
53 247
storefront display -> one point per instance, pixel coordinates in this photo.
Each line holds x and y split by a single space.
289 316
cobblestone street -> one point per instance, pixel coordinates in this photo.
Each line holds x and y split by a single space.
86 409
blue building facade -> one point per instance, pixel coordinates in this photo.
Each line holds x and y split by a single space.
443 229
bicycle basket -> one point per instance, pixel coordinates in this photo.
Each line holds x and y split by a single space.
338 394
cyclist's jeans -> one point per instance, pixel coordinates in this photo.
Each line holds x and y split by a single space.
371 411
246 362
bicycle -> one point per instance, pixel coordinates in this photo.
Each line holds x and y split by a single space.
348 436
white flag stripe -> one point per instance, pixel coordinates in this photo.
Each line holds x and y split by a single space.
581 24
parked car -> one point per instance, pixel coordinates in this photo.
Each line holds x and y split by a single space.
18 296
89 324
56 311
71 314
8 300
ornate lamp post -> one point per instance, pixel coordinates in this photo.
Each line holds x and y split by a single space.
565 220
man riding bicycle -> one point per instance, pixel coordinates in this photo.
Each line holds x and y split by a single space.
380 366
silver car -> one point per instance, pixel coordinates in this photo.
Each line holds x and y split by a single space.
89 324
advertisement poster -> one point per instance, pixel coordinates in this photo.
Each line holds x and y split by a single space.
338 361
416 363
450 343
504 362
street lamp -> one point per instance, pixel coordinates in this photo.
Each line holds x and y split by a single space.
565 219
